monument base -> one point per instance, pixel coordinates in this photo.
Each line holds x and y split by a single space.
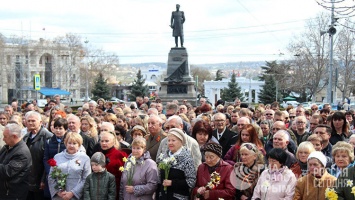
178 91
178 84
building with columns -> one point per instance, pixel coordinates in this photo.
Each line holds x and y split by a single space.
213 88
57 63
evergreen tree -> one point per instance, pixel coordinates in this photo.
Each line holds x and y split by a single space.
233 90
267 94
219 75
101 88
138 87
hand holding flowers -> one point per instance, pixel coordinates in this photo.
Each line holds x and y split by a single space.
57 175
166 164
212 184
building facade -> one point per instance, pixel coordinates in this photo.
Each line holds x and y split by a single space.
57 64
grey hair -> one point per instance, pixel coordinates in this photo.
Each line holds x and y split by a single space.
157 117
33 113
284 134
14 129
178 119
93 102
111 126
154 110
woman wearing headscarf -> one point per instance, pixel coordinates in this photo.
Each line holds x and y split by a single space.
182 174
214 164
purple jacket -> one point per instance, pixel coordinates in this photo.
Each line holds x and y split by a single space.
145 179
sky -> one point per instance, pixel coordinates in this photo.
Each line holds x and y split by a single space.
138 30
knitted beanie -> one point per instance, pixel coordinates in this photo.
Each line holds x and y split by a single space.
214 148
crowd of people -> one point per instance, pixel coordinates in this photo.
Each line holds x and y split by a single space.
148 150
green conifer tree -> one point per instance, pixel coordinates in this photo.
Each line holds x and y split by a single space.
233 91
139 88
267 94
101 88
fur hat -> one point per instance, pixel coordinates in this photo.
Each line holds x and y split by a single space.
214 148
178 133
320 156
99 158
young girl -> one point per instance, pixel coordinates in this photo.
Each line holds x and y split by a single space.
100 183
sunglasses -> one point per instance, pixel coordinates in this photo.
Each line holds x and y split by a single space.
292 117
250 147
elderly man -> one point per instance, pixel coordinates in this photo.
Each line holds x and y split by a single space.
9 110
183 109
277 126
152 111
191 144
15 165
225 137
202 101
281 140
314 109
240 124
147 101
74 126
172 110
156 135
269 114
237 102
301 133
35 139
92 106
300 111
15 106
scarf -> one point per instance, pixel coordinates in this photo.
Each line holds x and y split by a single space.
276 174
213 168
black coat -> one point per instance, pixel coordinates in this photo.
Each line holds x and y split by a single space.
36 147
228 139
88 144
15 165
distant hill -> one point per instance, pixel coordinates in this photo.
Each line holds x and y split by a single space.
229 65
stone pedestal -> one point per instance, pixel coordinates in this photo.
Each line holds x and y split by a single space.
178 83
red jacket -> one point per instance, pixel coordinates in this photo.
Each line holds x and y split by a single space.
224 190
114 160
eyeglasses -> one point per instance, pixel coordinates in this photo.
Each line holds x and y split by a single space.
292 117
268 114
314 109
300 122
219 120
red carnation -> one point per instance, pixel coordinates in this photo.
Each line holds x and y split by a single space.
237 147
52 162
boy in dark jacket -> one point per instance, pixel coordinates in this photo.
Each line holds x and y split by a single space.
100 184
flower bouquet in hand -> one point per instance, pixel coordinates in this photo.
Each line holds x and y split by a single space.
165 164
129 168
57 175
330 194
212 184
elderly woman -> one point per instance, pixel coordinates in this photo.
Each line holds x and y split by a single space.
300 167
248 170
182 174
343 157
345 184
314 184
340 128
145 177
114 157
138 131
202 133
89 127
248 134
276 182
75 164
214 163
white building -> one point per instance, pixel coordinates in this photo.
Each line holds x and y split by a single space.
213 88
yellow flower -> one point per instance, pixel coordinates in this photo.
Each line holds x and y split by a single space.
353 190
349 183
124 159
121 169
331 194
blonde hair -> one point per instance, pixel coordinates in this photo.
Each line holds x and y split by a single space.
75 137
93 126
315 137
183 117
139 141
342 146
116 144
110 117
306 145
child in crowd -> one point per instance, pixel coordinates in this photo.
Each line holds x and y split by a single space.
101 183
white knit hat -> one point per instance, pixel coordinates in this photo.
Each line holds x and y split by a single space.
320 156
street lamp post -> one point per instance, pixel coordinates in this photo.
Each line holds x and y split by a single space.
87 72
